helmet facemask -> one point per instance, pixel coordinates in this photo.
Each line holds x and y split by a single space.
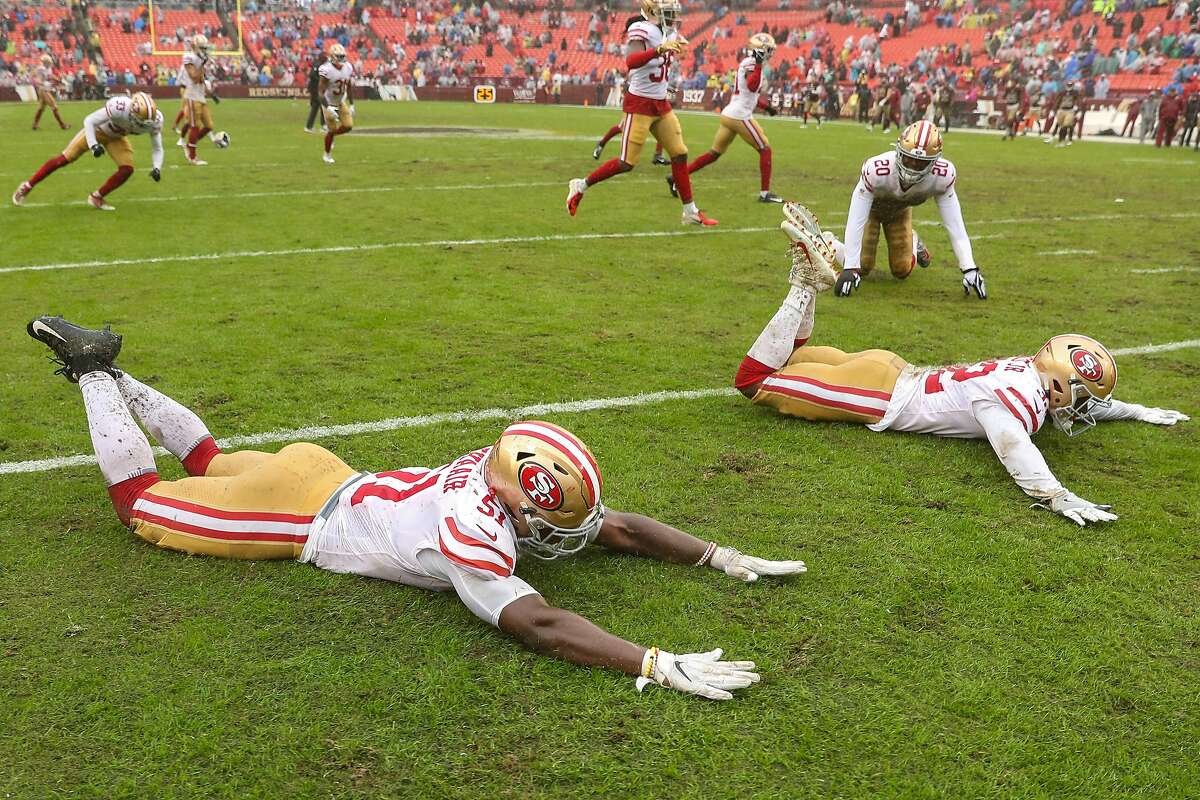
1079 411
547 542
911 166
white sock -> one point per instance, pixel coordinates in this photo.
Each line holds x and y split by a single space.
807 322
171 424
691 207
121 447
775 344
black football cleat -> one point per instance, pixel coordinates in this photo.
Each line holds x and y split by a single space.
671 186
77 350
660 161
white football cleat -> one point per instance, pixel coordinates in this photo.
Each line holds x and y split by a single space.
196 162
97 202
181 142
812 261
802 218
328 159
575 190
18 197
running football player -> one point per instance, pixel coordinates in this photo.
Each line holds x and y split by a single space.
1065 106
737 118
197 91
107 130
889 186
335 89
652 43
46 87
460 526
1014 105
1004 400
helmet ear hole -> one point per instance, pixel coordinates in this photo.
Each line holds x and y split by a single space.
1057 385
559 468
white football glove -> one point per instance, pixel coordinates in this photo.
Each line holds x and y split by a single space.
1162 416
703 674
973 279
333 112
1076 509
748 568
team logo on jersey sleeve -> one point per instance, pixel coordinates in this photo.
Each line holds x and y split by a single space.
540 486
1087 364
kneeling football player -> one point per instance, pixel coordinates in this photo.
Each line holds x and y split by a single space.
1004 400
107 130
460 526
888 187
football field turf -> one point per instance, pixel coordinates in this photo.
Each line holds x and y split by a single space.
947 641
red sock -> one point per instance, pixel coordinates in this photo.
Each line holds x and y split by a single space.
751 371
658 150
798 343
38 116
47 168
115 180
764 169
126 493
193 136
683 184
605 171
703 160
178 117
615 130
329 141
58 117
196 462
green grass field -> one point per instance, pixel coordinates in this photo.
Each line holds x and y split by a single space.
946 642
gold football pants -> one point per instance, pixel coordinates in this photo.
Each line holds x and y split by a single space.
897 229
747 129
344 121
665 129
118 148
249 504
198 115
823 383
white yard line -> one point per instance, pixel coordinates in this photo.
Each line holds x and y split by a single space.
1067 253
1162 270
476 415
355 248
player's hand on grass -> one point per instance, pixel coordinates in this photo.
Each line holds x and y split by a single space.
847 282
748 568
1076 509
97 150
703 674
1162 416
156 175
973 279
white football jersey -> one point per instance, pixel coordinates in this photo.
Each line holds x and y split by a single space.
338 81
881 178
43 78
650 79
116 120
193 90
945 401
382 522
744 101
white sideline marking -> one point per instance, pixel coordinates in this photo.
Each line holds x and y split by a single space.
396 423
1067 253
1162 270
562 237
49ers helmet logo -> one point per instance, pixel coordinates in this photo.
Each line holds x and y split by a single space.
540 486
1087 364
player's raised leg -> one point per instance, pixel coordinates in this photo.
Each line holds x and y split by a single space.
726 133
634 130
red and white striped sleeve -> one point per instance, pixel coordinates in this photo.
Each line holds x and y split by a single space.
482 549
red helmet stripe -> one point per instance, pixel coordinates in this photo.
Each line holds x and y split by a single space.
587 454
923 134
568 446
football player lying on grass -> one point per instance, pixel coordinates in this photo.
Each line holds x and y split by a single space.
536 491
1004 400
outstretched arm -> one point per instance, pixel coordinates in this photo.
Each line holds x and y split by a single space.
642 536
1157 416
1025 463
516 608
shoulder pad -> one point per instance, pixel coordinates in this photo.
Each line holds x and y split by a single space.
641 30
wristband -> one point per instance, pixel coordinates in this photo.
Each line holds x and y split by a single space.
650 663
708 554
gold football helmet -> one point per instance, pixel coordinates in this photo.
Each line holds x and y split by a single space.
1079 375
200 44
918 147
664 13
142 106
549 477
762 44
337 54
47 60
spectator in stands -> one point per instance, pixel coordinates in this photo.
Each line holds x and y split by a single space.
1102 86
